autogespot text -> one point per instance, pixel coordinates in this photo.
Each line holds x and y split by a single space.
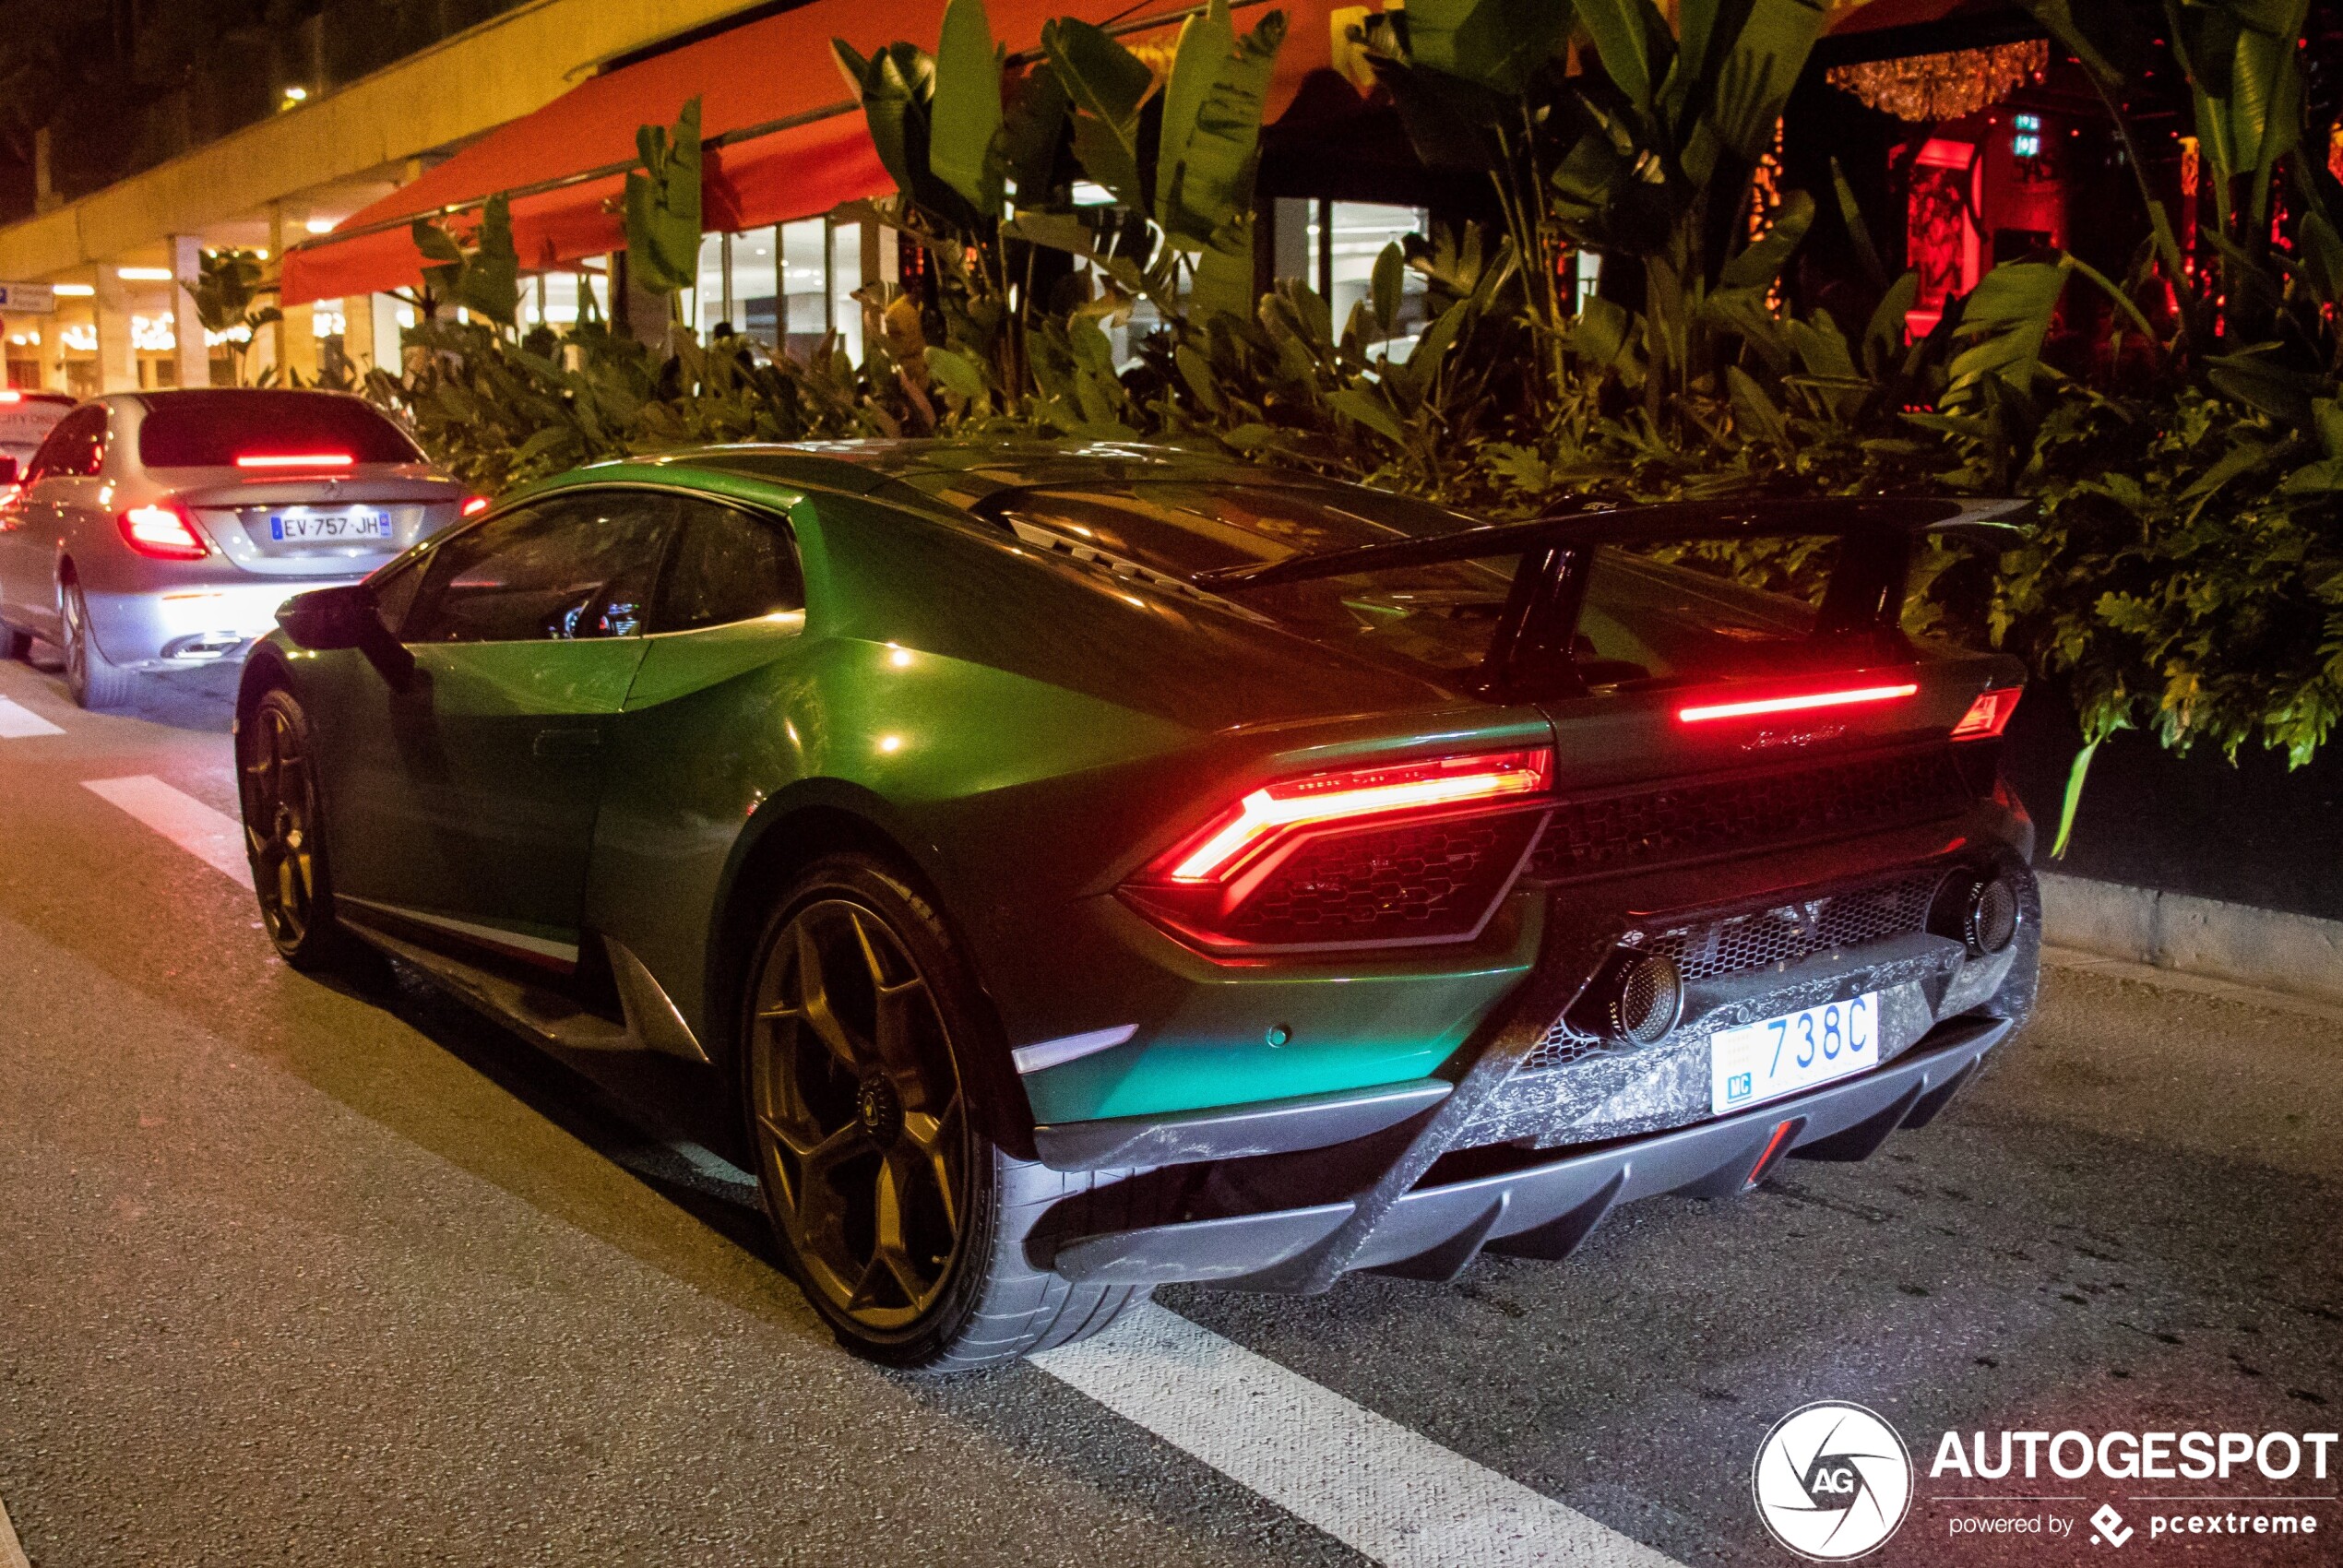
2147 1455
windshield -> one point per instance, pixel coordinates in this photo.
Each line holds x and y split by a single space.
1643 622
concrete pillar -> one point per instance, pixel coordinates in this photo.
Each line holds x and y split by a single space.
276 258
391 355
117 355
358 330
53 349
300 343
186 266
293 342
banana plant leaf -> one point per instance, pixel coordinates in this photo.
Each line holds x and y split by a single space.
1107 84
1496 45
662 206
964 151
1211 132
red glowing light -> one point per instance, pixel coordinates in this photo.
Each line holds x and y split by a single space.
294 459
1802 703
164 533
1281 811
475 506
1988 714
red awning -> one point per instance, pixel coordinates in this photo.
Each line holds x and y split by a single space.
778 68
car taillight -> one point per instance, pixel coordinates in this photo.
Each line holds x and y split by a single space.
1988 714
1413 851
301 460
164 532
1797 702
473 505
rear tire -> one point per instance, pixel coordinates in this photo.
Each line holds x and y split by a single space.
284 837
902 1222
95 684
14 644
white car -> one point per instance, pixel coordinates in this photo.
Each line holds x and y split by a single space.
25 420
160 531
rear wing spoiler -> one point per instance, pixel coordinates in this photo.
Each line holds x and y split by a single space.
1861 611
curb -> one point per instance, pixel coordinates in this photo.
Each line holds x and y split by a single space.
2295 954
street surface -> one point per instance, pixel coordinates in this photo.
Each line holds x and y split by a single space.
294 1276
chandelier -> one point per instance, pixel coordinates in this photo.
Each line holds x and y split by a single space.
1946 86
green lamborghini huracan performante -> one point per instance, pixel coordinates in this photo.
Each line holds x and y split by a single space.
1061 871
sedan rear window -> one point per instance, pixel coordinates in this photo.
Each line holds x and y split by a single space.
213 428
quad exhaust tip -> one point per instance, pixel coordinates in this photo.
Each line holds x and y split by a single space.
1640 1002
1981 912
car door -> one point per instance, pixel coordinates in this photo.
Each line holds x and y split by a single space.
468 798
706 730
32 523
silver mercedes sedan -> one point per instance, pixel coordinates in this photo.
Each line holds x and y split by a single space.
160 531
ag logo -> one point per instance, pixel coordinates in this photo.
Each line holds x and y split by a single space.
1832 1482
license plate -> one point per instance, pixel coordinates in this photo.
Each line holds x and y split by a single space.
1760 1061
310 527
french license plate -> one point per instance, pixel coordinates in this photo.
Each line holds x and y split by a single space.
1760 1061
320 527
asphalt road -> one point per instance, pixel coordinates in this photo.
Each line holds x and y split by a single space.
294 1276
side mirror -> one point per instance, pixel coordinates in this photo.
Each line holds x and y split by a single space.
9 472
333 618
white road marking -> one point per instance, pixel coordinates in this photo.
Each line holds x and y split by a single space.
11 1549
213 838
17 722
1391 1494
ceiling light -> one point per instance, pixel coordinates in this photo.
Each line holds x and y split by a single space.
319 225
143 274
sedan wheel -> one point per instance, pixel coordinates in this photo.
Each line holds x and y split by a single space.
859 1115
94 683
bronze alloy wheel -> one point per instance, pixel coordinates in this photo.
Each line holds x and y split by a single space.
280 818
860 1126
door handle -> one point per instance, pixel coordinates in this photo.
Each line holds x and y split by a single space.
571 742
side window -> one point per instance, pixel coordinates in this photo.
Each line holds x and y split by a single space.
573 566
395 588
729 566
74 448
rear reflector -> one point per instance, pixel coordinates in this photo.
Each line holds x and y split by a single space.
303 460
1270 813
163 533
1801 703
1772 1151
1988 714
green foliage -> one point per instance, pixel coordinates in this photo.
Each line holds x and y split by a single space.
229 286
483 276
662 205
2185 577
